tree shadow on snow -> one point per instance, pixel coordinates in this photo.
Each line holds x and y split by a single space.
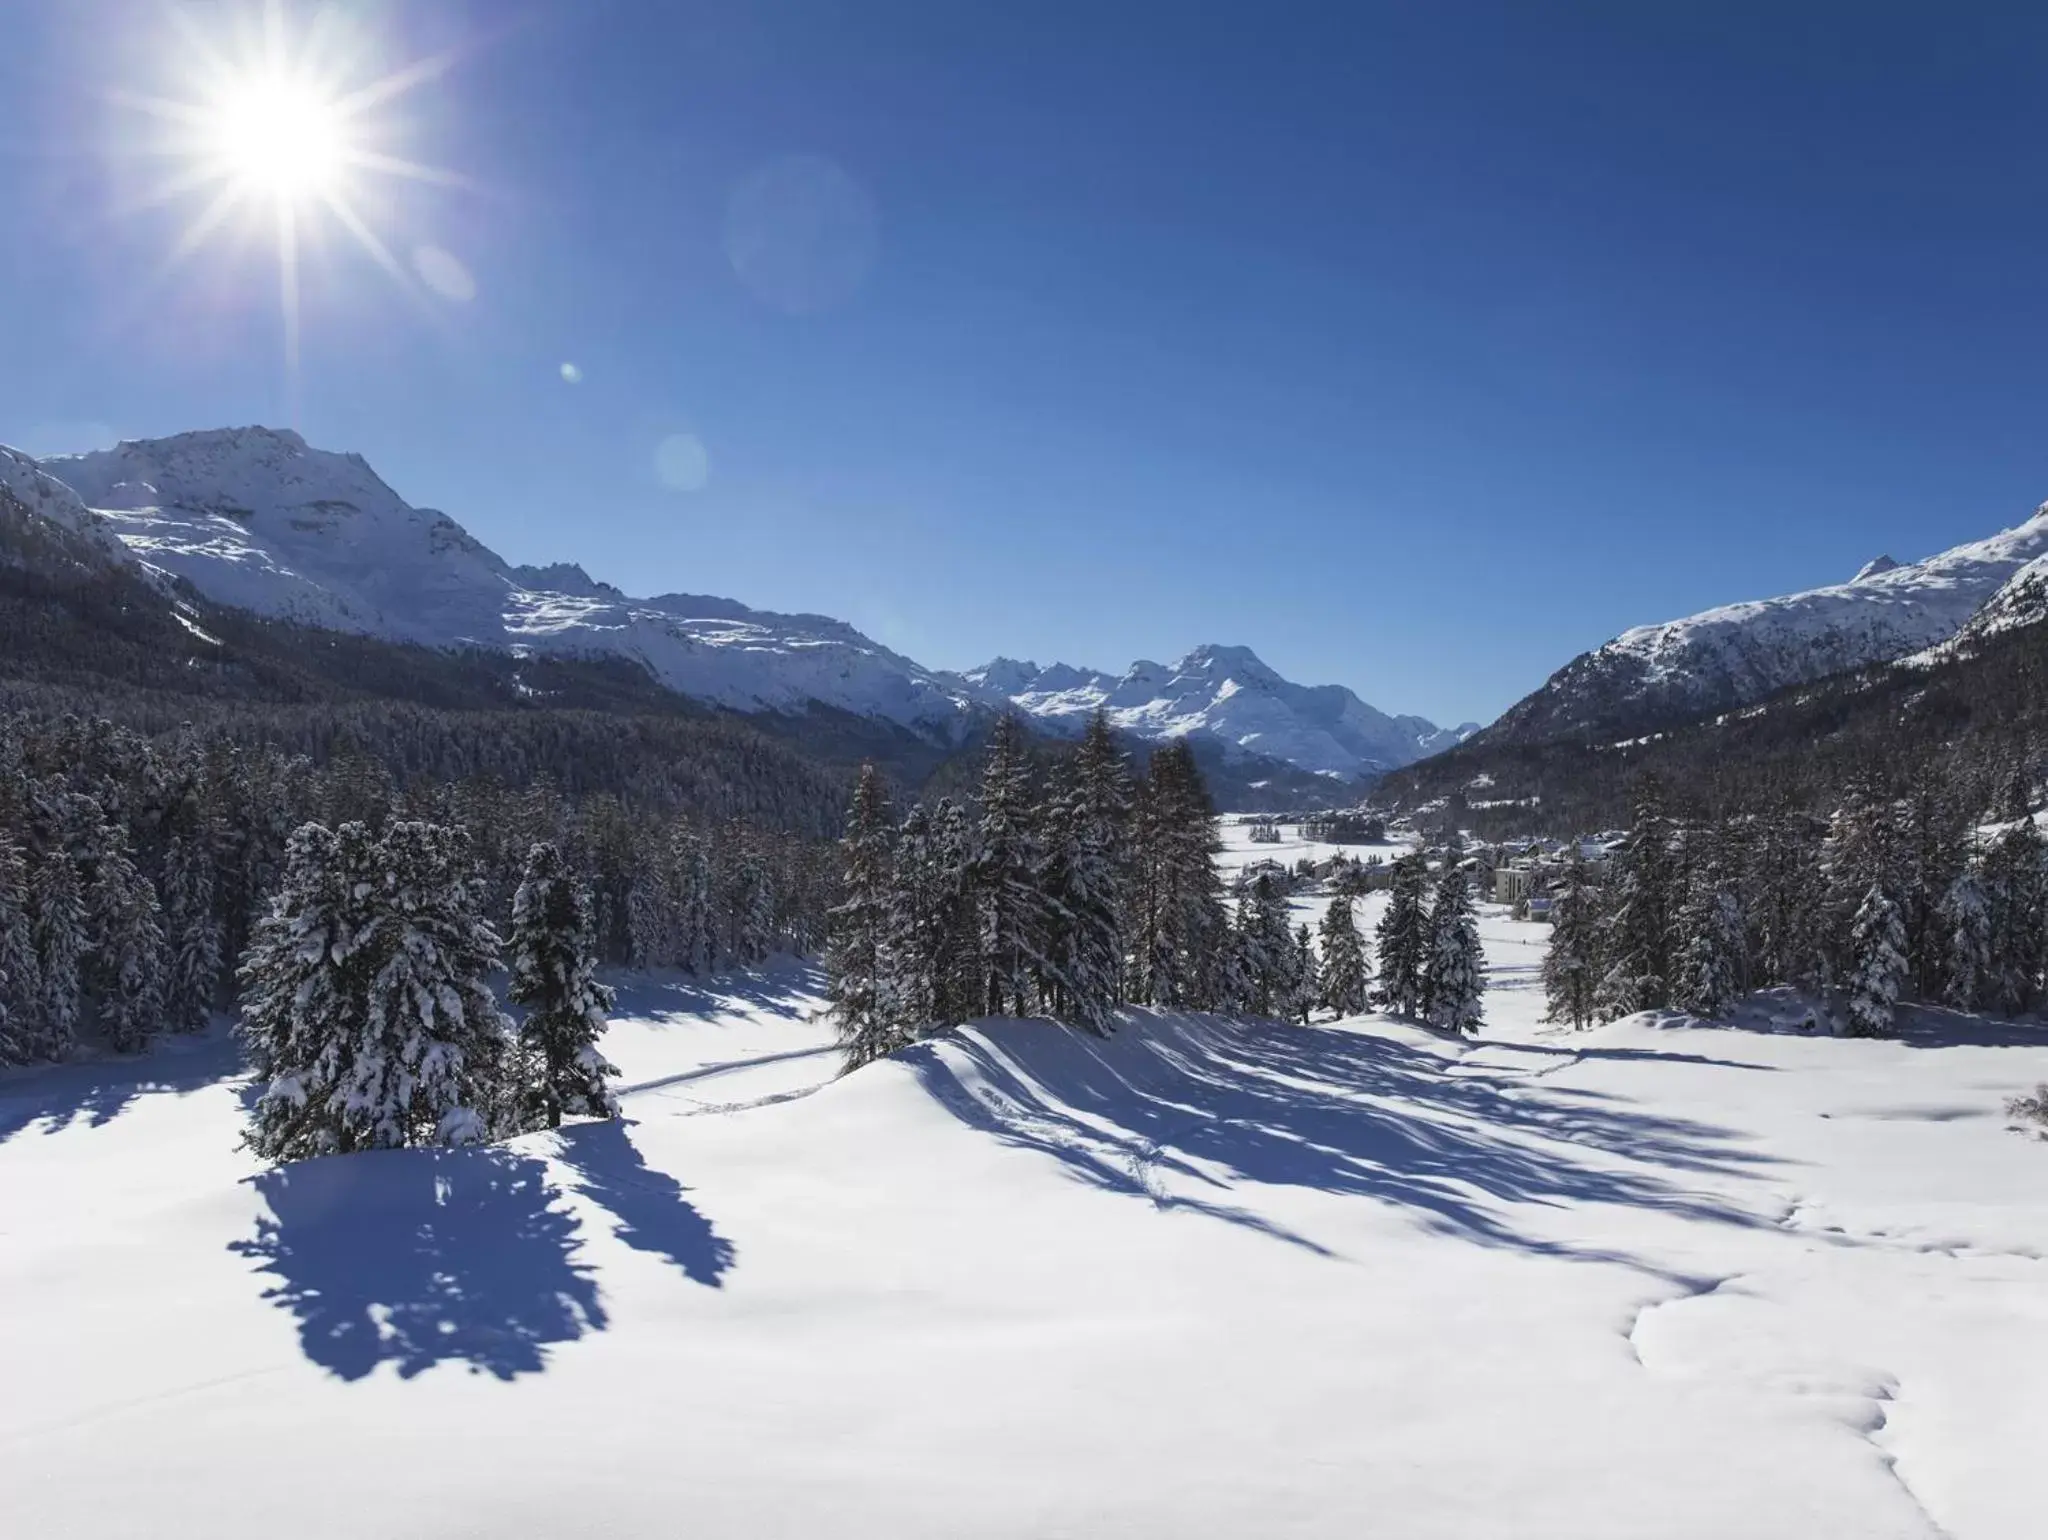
783 987
648 1207
423 1257
1783 1011
1216 1104
95 1092
1931 1026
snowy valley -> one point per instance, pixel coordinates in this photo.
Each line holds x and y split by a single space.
1198 1278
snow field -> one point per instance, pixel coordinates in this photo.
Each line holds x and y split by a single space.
1200 1279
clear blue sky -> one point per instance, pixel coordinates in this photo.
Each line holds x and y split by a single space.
1418 346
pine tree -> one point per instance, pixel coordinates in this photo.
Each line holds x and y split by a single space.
305 986
2014 882
1572 967
1084 880
126 966
1344 978
958 972
1007 896
1402 938
430 1065
21 981
552 957
1454 974
1638 948
366 1011
1712 965
193 934
914 929
1182 929
58 924
1304 983
1965 924
1265 950
1877 965
1786 898
855 960
1934 855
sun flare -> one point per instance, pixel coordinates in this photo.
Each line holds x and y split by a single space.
280 137
283 129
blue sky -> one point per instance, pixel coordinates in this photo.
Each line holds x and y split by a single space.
1417 346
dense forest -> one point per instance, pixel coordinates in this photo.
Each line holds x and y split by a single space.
1074 887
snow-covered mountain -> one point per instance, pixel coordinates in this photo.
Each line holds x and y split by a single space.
1740 653
2022 601
255 518
1224 693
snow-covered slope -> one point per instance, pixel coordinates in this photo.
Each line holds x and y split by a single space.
2022 601
1228 694
256 518
40 494
1740 653
1196 1281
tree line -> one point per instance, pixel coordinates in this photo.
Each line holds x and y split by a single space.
1888 898
1073 893
135 870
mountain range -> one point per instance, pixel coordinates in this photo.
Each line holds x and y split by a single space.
1736 655
258 520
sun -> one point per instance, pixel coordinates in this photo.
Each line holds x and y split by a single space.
280 138
277 128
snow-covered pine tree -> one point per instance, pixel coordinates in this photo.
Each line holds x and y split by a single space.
1454 974
1877 965
1712 959
126 966
430 1064
1934 853
1571 967
1344 979
1784 899
914 929
1402 937
2014 882
1304 983
1265 949
1181 955
854 958
1084 879
553 961
754 936
305 989
653 913
960 974
21 982
1637 948
1965 925
1007 897
1862 851
192 932
57 920
366 1010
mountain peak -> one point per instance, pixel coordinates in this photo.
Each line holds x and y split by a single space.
1217 657
1871 569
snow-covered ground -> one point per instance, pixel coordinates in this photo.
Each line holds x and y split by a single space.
1198 1280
